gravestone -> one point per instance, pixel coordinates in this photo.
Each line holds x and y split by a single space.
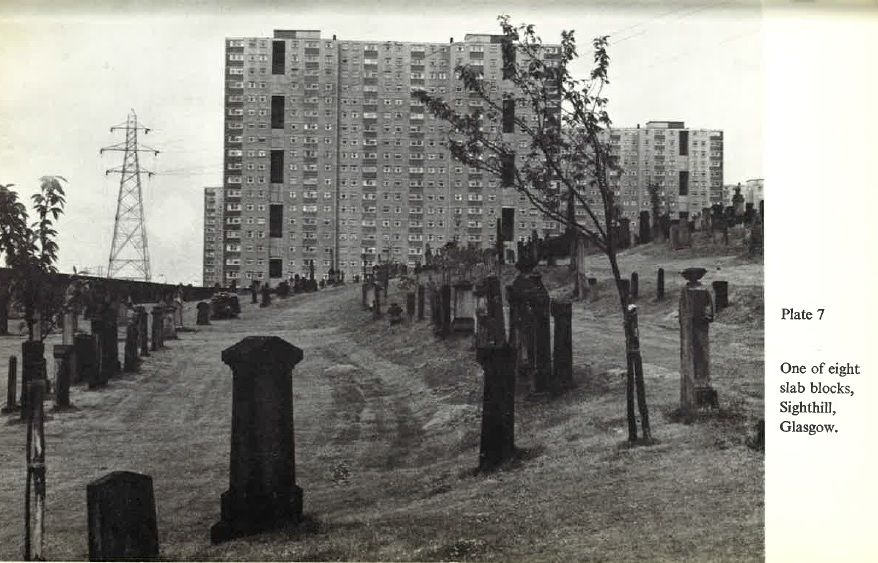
696 312
202 315
157 328
88 364
262 490
635 286
410 305
445 310
132 337
394 313
498 406
11 401
660 285
463 316
562 364
108 338
169 327
541 304
522 323
721 291
143 332
592 289
421 295
122 523
64 358
645 228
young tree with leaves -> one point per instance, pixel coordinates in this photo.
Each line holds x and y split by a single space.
567 163
31 252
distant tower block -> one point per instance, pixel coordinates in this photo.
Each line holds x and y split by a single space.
129 255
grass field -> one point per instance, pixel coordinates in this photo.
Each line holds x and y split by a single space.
387 434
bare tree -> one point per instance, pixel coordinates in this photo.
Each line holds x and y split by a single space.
567 163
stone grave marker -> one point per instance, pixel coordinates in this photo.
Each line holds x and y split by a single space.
262 491
122 523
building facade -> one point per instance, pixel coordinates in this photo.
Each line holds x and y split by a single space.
213 237
329 158
685 164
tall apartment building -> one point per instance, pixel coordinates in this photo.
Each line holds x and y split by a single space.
685 164
213 237
329 157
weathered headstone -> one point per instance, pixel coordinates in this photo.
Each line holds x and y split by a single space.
88 363
421 292
376 306
592 289
445 310
696 312
562 361
132 338
11 401
64 358
721 291
660 285
202 313
169 327
262 490
158 322
522 331
463 309
635 286
122 524
498 406
410 305
143 331
394 313
645 228
541 306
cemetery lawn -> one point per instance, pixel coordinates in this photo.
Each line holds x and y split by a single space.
387 438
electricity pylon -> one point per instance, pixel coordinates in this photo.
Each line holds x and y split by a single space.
129 255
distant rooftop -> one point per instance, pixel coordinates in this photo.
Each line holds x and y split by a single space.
665 125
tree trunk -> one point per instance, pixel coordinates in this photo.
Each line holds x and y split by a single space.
630 385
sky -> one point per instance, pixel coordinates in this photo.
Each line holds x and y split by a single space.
79 72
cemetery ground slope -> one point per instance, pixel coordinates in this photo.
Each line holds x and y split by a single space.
387 436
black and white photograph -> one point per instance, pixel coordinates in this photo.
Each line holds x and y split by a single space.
432 281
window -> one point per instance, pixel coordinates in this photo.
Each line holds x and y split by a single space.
277 166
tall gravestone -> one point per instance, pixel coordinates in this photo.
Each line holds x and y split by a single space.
262 490
562 364
64 358
143 332
445 310
645 228
132 340
85 349
122 523
498 406
696 314
541 305
721 291
157 328
11 400
463 316
660 284
420 302
634 286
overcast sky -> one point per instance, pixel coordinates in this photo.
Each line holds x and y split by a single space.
69 75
